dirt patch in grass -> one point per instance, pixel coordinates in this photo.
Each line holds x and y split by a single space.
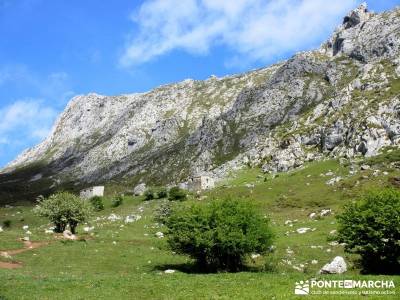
27 246
10 265
9 253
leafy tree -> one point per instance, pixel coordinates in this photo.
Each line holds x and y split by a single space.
97 203
219 235
176 193
64 209
370 227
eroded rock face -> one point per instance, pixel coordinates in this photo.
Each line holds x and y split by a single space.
341 100
359 38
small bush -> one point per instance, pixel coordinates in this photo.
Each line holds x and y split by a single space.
7 223
163 212
97 203
64 209
162 193
117 201
149 194
177 194
371 228
219 235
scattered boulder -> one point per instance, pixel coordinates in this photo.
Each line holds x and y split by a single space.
325 212
25 227
333 180
365 167
159 234
69 236
139 189
337 266
132 218
1 229
114 217
312 215
169 271
303 230
88 228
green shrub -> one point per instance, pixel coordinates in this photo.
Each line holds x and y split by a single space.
163 212
149 194
64 209
177 193
7 223
220 234
371 228
162 193
117 201
97 203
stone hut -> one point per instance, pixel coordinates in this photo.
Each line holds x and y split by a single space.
200 183
92 191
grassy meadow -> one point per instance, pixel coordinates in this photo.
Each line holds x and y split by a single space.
119 260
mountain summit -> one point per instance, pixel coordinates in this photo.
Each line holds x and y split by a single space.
341 100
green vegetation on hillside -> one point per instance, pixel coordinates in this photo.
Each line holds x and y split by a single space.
127 260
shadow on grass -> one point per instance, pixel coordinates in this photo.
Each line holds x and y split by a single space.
194 268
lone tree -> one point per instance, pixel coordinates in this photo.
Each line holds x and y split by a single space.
219 235
64 209
370 227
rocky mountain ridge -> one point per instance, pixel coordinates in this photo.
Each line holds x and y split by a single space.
342 100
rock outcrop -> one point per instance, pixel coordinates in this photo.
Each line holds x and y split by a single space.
341 100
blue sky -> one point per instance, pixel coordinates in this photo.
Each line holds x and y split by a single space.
51 50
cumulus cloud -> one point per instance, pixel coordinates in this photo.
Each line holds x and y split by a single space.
26 120
254 30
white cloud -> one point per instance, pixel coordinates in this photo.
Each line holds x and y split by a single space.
251 29
26 120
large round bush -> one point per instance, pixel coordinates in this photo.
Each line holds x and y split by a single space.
219 234
64 209
370 227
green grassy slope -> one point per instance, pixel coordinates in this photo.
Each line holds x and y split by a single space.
133 267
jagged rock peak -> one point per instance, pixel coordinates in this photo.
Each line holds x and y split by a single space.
357 16
365 36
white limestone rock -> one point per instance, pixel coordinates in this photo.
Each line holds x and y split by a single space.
336 266
69 236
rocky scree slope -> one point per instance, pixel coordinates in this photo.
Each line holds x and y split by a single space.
342 100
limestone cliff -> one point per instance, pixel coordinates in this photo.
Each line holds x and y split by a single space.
342 100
